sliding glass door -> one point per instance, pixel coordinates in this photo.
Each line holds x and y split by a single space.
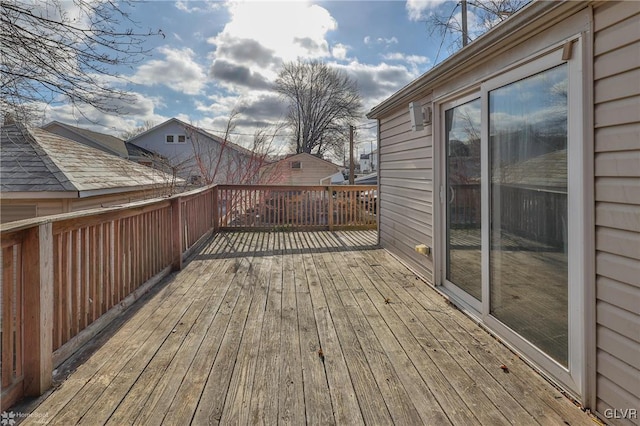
528 209
462 182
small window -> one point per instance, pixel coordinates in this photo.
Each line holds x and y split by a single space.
169 138
182 139
296 165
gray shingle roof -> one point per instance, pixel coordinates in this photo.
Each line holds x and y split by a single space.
25 167
111 143
37 160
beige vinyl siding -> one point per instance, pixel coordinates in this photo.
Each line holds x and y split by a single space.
617 195
10 213
312 170
14 209
406 189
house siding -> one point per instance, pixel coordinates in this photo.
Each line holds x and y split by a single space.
406 204
617 206
406 186
312 170
231 167
14 209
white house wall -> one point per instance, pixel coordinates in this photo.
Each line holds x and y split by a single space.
406 186
176 153
617 197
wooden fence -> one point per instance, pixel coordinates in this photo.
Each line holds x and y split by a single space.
66 277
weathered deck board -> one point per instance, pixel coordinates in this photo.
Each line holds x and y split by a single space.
234 339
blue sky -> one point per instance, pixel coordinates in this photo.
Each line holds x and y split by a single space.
223 56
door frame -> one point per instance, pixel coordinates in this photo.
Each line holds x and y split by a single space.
575 376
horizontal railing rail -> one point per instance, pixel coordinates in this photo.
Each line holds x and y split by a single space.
66 277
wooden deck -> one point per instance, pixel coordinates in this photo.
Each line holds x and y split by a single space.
295 328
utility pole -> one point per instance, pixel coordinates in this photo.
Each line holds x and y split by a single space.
351 165
465 38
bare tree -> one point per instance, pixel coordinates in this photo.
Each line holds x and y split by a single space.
227 162
58 51
488 13
130 134
323 102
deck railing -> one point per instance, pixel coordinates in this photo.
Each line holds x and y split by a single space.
261 207
66 277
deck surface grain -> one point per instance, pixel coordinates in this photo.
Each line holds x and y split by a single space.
300 327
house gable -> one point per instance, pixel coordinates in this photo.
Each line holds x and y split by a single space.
299 169
194 153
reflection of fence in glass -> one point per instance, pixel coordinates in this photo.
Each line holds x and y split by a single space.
534 214
322 207
464 206
525 212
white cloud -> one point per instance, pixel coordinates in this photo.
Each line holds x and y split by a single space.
271 24
416 9
132 114
378 82
178 70
380 41
397 56
339 51
197 6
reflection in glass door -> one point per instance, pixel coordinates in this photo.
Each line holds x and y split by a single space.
528 205
463 238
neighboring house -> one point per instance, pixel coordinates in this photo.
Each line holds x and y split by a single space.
42 174
107 143
199 156
298 169
101 141
369 162
517 160
147 158
370 179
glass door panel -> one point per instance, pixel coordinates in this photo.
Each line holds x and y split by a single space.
463 238
528 204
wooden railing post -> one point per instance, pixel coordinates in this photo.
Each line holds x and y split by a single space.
176 233
37 257
330 193
216 213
